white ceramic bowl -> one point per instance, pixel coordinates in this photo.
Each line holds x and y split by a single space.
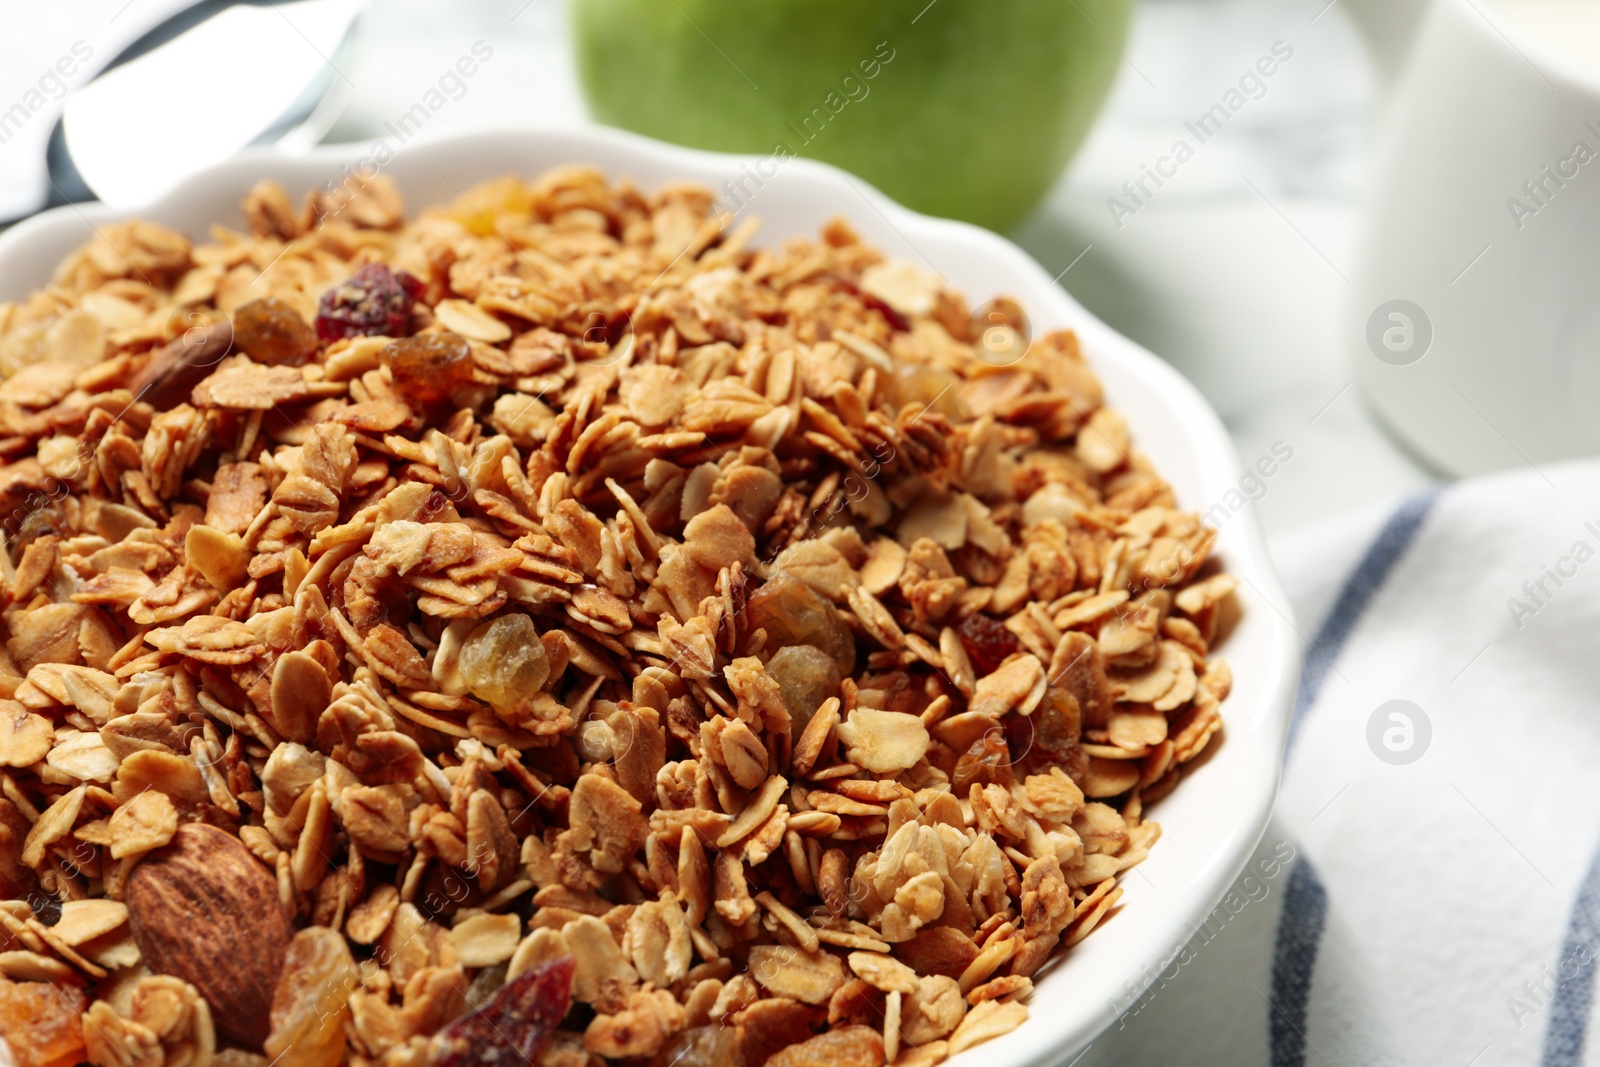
1213 820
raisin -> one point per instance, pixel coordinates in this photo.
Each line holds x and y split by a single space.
270 331
47 910
987 642
987 761
372 302
699 1046
428 366
49 518
1019 731
513 1026
892 691
1056 727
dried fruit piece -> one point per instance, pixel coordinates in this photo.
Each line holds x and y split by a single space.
700 1046
312 1000
793 613
372 302
428 366
41 1023
806 676
513 1026
850 1046
987 760
270 331
987 641
504 663
203 908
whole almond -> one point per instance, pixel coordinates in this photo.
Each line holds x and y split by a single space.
205 909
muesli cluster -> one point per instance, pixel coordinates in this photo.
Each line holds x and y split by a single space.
555 628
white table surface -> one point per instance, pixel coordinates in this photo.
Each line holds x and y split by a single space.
1235 271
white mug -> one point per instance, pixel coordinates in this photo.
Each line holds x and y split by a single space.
1475 324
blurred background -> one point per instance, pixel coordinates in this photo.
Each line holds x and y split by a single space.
1237 271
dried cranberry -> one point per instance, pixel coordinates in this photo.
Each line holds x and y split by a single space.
513 1026
372 302
987 642
270 331
428 366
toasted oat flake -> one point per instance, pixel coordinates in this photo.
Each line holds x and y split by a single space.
883 741
987 1020
575 579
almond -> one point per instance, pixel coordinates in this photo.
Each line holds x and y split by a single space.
206 910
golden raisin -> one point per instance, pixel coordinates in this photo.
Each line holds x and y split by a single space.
270 331
987 761
428 366
699 1046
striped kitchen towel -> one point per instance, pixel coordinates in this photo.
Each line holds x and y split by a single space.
1429 889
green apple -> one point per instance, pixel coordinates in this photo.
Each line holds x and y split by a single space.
964 108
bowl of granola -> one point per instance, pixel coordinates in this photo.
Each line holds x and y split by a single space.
571 622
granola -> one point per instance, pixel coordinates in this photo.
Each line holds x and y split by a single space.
560 593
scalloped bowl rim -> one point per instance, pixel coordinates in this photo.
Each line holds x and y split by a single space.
1214 819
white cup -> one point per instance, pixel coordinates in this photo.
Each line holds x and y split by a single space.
1475 326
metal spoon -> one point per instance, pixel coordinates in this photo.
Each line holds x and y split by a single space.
244 74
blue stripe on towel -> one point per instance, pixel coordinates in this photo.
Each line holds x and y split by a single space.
1294 961
1570 1004
1305 899
1359 589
